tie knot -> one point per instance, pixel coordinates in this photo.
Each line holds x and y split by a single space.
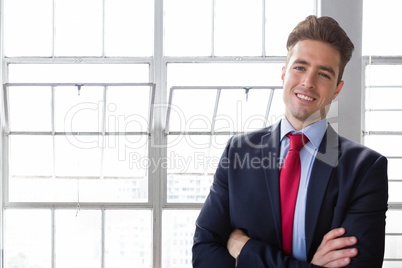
297 141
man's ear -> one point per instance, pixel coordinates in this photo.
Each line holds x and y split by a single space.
338 89
283 74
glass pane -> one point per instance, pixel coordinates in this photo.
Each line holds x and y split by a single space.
377 16
383 121
392 264
177 237
394 219
30 108
195 153
388 145
191 162
394 191
127 109
116 190
129 28
242 111
128 238
31 155
126 156
78 111
395 169
383 98
277 111
28 30
43 190
280 21
78 73
245 74
225 74
31 170
27 238
192 110
188 26
384 75
238 27
78 25
393 246
77 155
393 243
187 153
78 239
188 188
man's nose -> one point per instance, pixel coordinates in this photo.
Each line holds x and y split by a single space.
309 80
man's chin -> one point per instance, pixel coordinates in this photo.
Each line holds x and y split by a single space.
308 119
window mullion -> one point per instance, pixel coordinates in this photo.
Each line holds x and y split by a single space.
213 29
53 135
157 175
103 231
103 28
53 237
264 22
271 96
53 26
218 95
103 130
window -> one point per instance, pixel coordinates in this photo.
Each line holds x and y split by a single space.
79 111
202 116
221 80
383 88
86 142
116 113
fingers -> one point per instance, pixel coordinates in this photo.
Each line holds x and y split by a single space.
341 257
334 233
236 241
237 233
336 253
333 250
333 240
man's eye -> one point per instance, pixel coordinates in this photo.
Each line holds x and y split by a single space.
299 68
325 76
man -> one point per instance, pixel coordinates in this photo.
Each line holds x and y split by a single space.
339 217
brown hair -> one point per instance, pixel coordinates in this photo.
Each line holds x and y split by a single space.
327 30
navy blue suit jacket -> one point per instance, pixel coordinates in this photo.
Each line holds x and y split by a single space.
348 188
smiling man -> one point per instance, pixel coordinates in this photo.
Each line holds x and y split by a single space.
323 202
310 82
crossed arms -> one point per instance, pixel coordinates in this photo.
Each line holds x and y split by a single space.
236 220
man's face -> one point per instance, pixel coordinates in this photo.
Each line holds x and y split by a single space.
310 81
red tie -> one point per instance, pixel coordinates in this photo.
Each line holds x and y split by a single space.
289 185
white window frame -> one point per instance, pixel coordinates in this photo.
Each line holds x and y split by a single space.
382 60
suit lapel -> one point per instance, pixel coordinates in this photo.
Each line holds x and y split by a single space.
326 159
271 153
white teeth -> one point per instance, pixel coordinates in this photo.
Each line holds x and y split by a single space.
304 97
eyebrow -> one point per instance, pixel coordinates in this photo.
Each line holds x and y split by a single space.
321 67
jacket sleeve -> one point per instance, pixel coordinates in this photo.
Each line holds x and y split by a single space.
363 211
213 225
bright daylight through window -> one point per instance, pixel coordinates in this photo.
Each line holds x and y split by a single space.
116 112
383 110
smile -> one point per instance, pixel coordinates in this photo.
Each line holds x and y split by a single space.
304 97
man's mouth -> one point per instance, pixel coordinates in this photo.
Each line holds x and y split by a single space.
304 97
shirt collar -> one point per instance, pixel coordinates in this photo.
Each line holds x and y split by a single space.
314 132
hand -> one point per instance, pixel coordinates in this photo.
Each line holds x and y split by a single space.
237 240
332 251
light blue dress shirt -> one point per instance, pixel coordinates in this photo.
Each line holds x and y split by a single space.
314 132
